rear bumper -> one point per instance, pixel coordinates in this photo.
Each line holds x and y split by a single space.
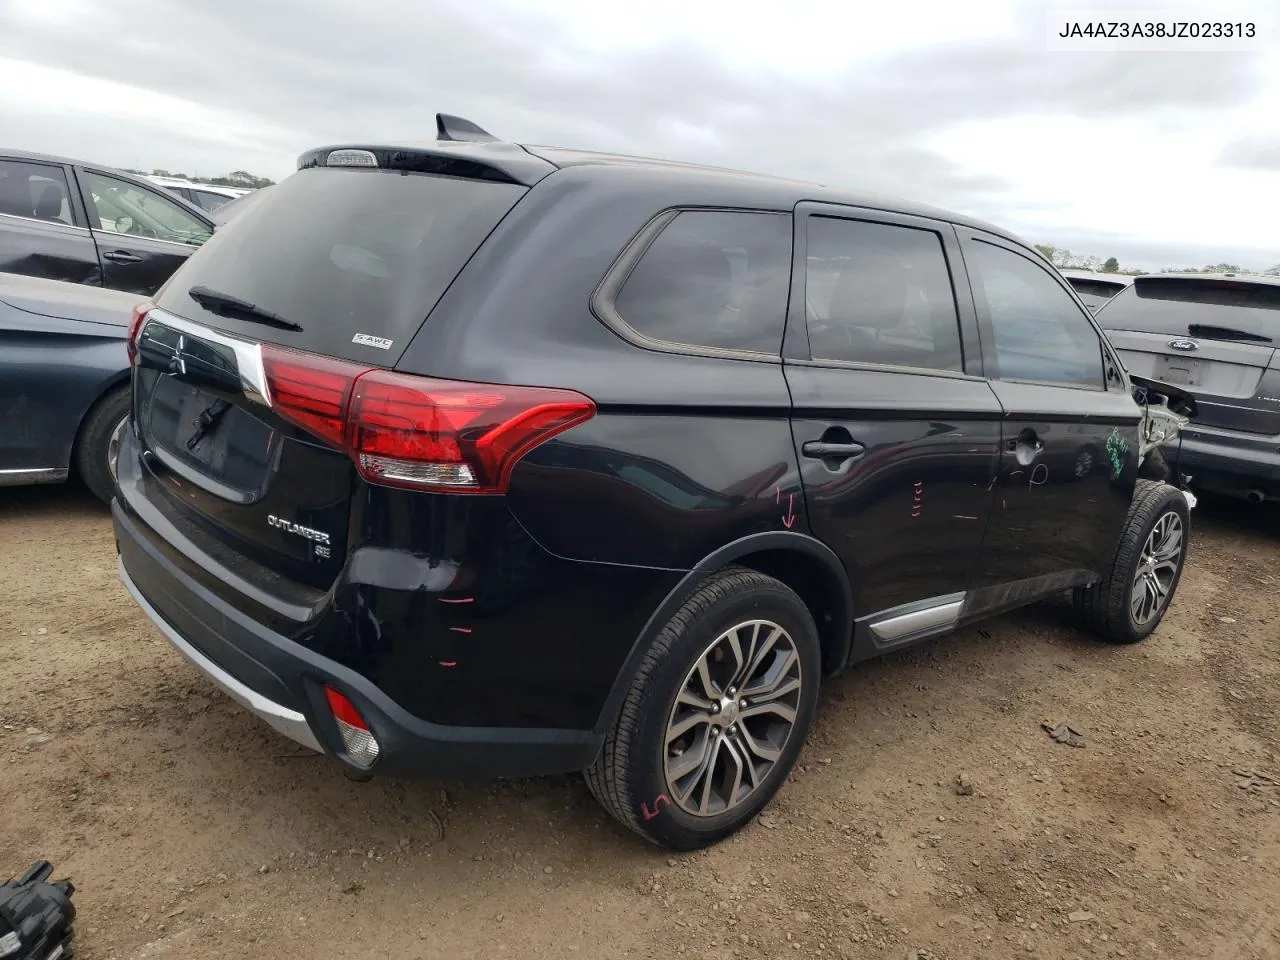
283 683
1243 458
284 720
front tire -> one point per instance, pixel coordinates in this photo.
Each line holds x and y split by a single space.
716 716
1128 604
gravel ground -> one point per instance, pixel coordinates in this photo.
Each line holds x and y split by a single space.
932 816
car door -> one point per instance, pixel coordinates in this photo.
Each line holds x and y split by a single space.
1070 430
143 236
896 430
42 228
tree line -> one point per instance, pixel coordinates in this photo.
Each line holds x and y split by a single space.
237 178
1064 259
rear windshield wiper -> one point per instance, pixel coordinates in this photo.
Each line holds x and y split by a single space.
217 302
1212 332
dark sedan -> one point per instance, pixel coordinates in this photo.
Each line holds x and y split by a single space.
64 380
66 220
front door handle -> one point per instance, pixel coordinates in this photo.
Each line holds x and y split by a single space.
121 256
823 450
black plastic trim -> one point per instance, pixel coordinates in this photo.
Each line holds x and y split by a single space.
842 627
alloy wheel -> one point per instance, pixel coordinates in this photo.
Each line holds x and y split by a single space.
1157 568
732 718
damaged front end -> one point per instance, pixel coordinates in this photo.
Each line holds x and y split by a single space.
1166 410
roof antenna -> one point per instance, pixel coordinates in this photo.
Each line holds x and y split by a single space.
456 128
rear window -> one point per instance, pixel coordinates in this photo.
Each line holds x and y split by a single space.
358 258
1095 292
1172 305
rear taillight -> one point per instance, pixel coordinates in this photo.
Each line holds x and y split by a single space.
135 324
418 432
362 746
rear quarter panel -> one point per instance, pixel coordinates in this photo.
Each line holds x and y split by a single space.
685 452
52 370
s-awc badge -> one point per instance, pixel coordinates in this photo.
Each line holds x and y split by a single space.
369 340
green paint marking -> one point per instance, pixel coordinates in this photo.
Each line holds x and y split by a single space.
1117 453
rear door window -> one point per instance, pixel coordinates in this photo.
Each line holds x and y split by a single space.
713 279
1040 333
37 191
1208 308
880 293
357 258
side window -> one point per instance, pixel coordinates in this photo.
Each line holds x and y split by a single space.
880 293
1040 334
37 191
125 208
713 279
206 200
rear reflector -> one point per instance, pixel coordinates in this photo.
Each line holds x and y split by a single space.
419 432
135 326
361 746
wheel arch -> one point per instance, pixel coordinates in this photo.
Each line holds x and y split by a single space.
806 565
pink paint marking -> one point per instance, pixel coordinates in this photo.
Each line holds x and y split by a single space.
448 663
460 629
1004 504
777 494
458 600
961 516
992 484
657 805
790 517
1033 482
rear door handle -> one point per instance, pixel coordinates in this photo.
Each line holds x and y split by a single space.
121 256
823 450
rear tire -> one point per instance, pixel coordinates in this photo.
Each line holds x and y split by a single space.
94 441
1128 603
706 736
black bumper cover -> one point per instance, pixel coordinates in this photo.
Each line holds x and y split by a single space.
293 677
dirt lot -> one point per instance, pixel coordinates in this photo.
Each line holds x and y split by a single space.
192 831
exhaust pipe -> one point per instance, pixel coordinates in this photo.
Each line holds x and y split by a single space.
1256 496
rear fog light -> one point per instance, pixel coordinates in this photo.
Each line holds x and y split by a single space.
361 745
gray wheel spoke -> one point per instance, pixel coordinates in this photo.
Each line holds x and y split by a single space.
743 756
741 659
772 684
707 775
679 729
761 748
729 750
692 759
709 688
763 649
748 677
688 698
770 708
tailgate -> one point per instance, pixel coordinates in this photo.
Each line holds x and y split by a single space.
252 483
1215 337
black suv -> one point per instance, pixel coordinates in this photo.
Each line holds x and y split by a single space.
1215 337
475 459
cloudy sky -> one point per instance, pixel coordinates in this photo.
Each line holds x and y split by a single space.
1156 158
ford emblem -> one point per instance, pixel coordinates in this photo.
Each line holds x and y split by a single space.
1184 345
